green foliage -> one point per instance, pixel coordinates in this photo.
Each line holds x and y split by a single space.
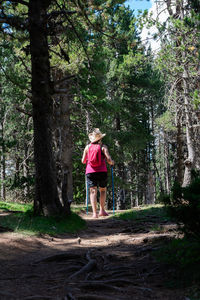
144 211
183 206
182 253
196 99
183 256
114 80
14 206
166 122
26 223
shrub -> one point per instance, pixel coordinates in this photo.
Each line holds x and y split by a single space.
183 205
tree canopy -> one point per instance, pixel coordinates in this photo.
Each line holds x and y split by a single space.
67 67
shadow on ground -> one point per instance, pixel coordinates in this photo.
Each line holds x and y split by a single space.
111 259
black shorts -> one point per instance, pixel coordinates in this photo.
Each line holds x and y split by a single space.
97 179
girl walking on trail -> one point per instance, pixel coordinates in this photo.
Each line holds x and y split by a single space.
95 156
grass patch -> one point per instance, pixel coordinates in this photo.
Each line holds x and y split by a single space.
181 253
14 206
23 221
150 211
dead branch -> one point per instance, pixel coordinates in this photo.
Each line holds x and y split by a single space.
60 91
20 2
66 78
23 111
77 35
55 14
14 21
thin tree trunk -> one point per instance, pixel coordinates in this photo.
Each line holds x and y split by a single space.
150 195
190 161
167 163
26 171
66 153
179 152
3 165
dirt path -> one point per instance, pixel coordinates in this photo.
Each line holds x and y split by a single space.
111 259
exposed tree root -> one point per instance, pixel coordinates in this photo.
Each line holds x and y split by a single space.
41 297
5 229
96 297
120 282
5 294
99 286
87 268
59 257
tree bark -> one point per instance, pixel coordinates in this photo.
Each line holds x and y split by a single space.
46 195
167 162
63 147
179 151
3 165
190 161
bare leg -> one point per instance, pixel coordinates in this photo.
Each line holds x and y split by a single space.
93 199
102 211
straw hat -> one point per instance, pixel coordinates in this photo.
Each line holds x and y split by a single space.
96 135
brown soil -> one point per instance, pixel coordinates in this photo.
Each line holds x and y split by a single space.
111 259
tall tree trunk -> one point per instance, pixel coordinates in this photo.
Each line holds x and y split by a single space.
3 165
26 171
63 146
179 151
190 161
121 192
150 194
46 195
167 162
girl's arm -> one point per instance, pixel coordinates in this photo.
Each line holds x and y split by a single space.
107 155
84 157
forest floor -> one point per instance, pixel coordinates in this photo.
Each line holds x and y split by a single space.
110 259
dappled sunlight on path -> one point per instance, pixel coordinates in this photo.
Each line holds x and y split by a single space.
110 255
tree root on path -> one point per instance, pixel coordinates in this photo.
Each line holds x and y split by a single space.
87 268
116 274
5 229
37 297
92 263
5 294
120 282
95 297
99 286
106 285
59 257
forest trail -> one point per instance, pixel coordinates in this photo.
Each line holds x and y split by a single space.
110 259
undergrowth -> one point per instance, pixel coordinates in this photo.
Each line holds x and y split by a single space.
183 256
24 221
136 214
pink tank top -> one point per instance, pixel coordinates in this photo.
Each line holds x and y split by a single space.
101 168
